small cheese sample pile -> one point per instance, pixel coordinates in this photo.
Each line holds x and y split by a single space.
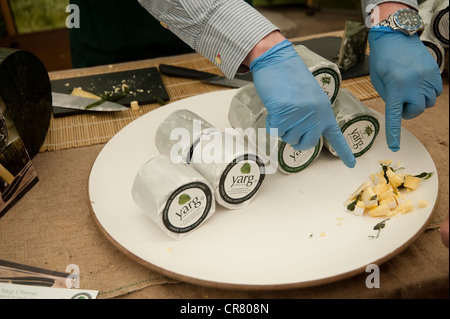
382 196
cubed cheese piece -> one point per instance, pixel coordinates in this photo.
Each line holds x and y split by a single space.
370 204
394 179
353 197
412 182
125 88
368 194
387 162
423 203
392 205
82 93
387 195
359 209
378 178
382 210
387 200
405 207
381 188
134 106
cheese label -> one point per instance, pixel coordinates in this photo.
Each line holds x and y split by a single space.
241 179
435 52
329 81
293 161
187 207
441 26
361 133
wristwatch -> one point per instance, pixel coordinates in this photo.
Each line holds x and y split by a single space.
407 21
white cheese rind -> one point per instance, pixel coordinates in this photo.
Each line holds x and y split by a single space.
174 196
439 22
235 186
437 51
433 36
213 154
326 72
359 125
435 15
246 112
177 134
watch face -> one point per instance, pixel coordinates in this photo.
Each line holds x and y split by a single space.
408 19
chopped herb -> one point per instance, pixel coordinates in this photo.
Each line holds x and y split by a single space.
108 97
385 169
91 106
379 227
424 175
159 100
351 207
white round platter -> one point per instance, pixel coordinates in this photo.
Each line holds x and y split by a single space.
295 233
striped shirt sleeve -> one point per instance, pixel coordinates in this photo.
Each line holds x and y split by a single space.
224 31
367 5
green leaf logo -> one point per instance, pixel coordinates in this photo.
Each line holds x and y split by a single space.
184 199
325 80
246 168
368 130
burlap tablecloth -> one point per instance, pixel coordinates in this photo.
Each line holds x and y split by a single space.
52 227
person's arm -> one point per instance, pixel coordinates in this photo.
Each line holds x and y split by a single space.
222 31
384 8
231 34
402 69
264 45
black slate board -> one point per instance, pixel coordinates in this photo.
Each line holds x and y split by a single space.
145 84
329 48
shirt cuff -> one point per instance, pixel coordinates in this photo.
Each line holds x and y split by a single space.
231 33
367 5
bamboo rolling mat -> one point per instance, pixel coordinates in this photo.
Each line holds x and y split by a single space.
98 128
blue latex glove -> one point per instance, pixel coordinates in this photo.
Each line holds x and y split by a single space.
296 103
405 75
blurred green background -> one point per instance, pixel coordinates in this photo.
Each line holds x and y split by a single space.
40 15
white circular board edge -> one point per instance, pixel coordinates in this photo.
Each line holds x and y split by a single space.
295 233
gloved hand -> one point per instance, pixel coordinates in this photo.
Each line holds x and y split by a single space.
405 75
296 103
